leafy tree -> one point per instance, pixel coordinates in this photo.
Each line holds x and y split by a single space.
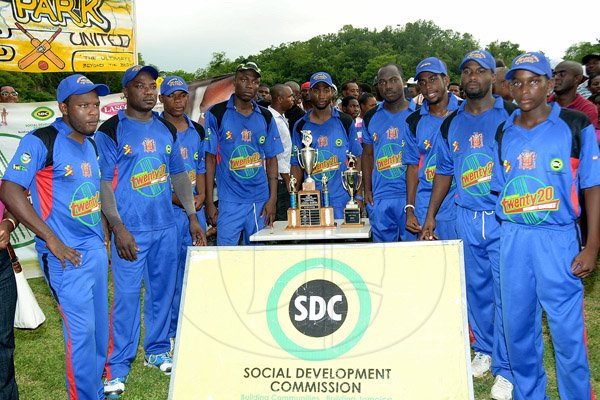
505 51
578 50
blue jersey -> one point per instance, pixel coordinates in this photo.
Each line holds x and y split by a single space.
241 145
420 142
466 152
332 143
139 158
538 172
64 178
384 132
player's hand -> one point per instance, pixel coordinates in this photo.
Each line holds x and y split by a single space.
368 197
412 224
5 227
268 212
125 243
63 252
198 236
585 263
427 231
197 202
211 213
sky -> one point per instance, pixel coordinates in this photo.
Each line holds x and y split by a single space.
184 37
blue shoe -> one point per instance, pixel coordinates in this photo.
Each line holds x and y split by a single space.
163 361
114 388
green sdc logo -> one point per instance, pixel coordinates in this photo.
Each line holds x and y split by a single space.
318 308
42 113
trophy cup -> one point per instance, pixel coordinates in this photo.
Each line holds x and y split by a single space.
307 211
352 180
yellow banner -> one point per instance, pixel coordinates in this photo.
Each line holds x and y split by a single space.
67 35
338 322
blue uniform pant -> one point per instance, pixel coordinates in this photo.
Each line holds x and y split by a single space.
235 218
535 273
184 239
480 233
81 294
8 302
156 264
444 229
388 220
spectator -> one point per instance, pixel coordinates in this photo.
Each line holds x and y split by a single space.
350 106
568 75
8 94
350 88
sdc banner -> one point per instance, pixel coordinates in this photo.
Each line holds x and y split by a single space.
333 322
59 35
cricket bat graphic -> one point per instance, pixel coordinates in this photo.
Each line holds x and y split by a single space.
41 48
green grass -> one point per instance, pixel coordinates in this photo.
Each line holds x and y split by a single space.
39 355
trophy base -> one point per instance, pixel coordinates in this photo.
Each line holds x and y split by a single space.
310 219
352 218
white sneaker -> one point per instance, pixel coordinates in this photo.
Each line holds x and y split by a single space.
502 389
480 364
172 341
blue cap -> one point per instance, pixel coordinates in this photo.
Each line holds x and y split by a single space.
320 77
433 65
78 84
172 84
132 72
535 62
481 57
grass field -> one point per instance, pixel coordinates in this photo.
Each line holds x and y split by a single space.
39 355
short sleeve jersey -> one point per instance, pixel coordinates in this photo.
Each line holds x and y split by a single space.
419 151
538 172
139 157
467 154
384 132
241 145
64 180
332 143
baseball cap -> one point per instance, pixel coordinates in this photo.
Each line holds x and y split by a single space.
431 64
535 62
132 72
78 84
589 57
248 65
320 77
172 84
481 57
305 85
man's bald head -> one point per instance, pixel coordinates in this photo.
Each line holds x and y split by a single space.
501 86
282 97
567 76
571 66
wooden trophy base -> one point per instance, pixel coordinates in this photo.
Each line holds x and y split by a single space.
310 219
352 218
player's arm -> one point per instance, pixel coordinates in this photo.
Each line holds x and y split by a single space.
210 146
367 172
200 190
411 157
585 262
8 224
183 189
441 186
268 211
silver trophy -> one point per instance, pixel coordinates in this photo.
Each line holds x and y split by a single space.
307 156
351 181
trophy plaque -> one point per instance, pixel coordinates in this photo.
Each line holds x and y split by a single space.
352 180
307 211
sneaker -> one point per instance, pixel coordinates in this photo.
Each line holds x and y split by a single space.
480 364
172 340
114 388
163 361
502 389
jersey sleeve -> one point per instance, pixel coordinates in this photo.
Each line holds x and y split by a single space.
354 145
107 149
176 164
272 145
29 158
445 162
589 159
211 139
498 178
410 155
367 136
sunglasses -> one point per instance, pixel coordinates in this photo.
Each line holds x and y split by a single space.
6 94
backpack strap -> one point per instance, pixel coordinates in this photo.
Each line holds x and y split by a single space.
48 136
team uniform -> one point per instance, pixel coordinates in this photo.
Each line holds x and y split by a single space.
192 152
421 132
64 178
332 142
138 158
538 173
383 130
241 145
465 151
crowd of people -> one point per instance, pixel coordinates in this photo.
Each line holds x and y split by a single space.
507 161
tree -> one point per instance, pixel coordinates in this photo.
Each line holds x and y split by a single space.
505 51
578 50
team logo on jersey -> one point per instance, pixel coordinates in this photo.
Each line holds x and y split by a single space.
392 133
455 146
528 200
68 170
507 167
476 140
477 174
192 175
18 167
228 135
339 142
556 164
527 159
184 152
196 156
149 145
246 135
430 168
389 161
208 134
262 139
322 141
375 136
86 169
25 158
245 162
149 177
327 164
85 204
427 144
168 149
127 149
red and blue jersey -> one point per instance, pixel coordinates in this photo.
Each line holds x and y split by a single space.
241 145
465 151
63 176
139 156
384 131
332 142
538 172
419 150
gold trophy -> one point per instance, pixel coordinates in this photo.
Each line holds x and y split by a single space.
309 213
352 180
